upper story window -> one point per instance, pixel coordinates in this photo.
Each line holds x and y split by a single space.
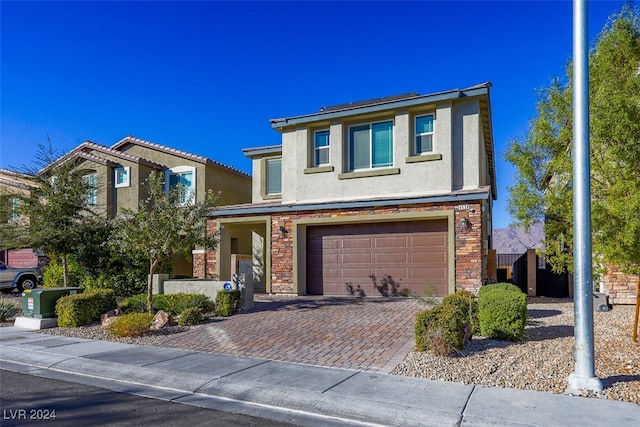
9 209
273 176
15 202
371 145
122 177
185 176
424 134
321 147
91 180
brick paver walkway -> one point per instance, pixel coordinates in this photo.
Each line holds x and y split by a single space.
370 334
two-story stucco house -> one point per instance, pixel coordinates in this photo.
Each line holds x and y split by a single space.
118 174
377 197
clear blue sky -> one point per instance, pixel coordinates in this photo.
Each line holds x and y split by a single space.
206 77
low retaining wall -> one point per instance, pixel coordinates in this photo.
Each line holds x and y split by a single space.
210 288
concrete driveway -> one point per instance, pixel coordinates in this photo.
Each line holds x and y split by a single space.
370 334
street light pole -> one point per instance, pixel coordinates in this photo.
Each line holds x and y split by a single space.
583 377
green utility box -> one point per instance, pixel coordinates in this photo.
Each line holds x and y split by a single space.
40 303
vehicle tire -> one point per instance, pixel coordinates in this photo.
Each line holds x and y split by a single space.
26 283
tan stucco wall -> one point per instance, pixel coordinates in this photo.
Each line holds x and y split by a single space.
234 187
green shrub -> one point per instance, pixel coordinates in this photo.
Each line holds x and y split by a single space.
190 316
439 330
8 310
227 303
503 311
131 325
467 304
52 275
177 303
135 304
84 308
171 303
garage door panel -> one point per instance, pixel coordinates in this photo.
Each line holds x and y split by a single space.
429 273
429 257
432 241
391 242
357 243
391 257
412 254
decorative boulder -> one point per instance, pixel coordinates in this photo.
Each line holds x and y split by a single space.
160 320
109 316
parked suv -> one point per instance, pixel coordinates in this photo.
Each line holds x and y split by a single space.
19 278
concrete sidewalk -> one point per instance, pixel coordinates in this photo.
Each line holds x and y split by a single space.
296 393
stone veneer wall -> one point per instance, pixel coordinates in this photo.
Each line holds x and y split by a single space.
469 266
620 287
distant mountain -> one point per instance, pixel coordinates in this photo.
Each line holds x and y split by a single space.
517 240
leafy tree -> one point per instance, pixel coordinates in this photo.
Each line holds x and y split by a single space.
56 207
163 226
543 190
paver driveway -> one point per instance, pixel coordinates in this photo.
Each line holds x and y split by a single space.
370 334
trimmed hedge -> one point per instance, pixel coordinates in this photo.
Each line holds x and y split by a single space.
84 308
465 301
441 329
171 303
228 303
503 311
190 316
131 325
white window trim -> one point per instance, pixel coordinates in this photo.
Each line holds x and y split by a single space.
127 172
178 170
416 135
92 196
370 124
328 148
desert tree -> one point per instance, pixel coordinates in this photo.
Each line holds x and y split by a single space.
165 224
543 157
55 208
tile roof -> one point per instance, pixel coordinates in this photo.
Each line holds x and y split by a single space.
195 157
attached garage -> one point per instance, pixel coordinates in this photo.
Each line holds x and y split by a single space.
377 258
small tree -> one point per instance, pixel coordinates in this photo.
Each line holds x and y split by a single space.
56 208
543 158
163 226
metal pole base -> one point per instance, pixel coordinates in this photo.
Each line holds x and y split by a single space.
579 385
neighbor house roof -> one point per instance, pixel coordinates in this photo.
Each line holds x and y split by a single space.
16 179
173 151
87 150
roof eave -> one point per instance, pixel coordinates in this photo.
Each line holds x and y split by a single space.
477 90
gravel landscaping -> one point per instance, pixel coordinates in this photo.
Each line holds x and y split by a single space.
542 361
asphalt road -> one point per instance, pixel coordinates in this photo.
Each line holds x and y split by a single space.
27 400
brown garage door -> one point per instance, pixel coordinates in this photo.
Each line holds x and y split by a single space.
400 255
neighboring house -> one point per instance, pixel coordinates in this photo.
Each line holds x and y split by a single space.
13 186
377 197
118 174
